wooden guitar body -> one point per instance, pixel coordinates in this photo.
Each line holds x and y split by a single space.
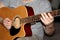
22 12
26 14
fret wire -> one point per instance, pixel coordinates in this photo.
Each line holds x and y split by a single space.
37 17
55 13
30 19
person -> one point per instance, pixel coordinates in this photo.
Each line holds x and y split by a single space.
39 6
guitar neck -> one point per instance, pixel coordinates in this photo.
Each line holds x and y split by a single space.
55 13
37 17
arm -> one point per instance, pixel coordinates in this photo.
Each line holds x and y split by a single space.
47 20
49 29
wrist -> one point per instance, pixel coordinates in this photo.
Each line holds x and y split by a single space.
49 29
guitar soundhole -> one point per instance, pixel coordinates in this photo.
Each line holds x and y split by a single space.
14 31
16 38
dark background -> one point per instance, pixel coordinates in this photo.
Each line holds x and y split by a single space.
56 35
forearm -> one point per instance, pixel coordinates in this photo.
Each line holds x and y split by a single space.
49 29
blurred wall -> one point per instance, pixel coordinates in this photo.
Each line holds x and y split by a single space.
55 4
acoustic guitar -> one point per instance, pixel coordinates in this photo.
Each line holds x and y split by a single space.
26 17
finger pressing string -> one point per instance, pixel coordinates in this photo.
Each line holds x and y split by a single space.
51 17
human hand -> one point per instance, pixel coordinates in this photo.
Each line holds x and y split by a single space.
47 18
7 23
16 23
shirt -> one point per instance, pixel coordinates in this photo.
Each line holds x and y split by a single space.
39 6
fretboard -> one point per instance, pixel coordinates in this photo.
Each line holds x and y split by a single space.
37 17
